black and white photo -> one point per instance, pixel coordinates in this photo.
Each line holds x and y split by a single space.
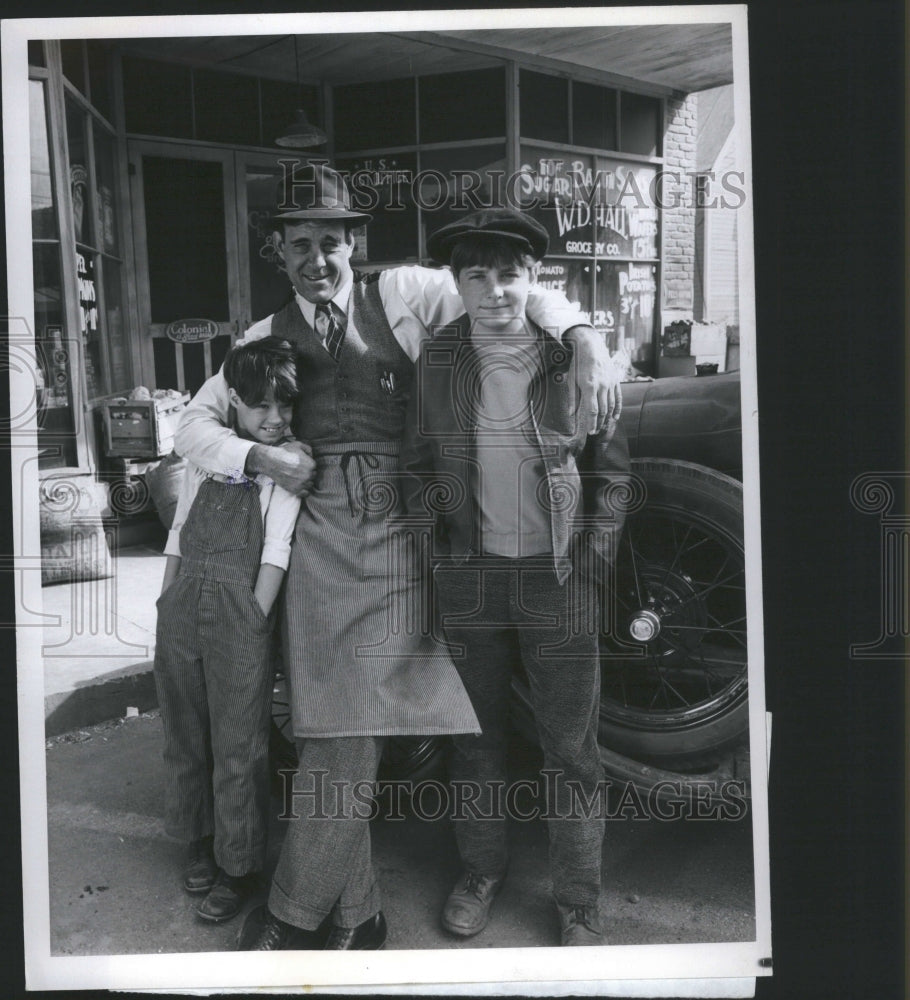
384 436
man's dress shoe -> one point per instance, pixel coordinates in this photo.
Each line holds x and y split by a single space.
368 936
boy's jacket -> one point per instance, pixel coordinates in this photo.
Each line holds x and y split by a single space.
587 476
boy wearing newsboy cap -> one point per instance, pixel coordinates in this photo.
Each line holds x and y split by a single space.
496 454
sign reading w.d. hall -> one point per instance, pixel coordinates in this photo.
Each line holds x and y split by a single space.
191 331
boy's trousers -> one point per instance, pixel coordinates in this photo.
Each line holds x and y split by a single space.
213 673
498 613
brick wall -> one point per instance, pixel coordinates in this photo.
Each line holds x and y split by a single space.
678 293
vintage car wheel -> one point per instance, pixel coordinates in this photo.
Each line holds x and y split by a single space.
674 685
406 758
674 691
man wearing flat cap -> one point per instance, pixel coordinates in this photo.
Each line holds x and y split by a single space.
354 679
516 570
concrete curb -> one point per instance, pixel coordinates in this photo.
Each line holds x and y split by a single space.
102 700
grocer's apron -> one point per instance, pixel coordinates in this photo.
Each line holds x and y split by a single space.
358 650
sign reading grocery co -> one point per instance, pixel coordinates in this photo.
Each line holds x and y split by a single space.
191 331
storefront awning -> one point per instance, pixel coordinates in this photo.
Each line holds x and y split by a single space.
661 59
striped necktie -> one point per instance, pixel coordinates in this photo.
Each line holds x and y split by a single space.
328 327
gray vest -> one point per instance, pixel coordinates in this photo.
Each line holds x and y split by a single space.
364 395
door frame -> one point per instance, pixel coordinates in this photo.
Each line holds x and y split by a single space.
136 150
244 158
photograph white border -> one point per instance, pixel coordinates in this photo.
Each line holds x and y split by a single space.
737 962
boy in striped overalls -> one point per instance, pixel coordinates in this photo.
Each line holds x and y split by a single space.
226 557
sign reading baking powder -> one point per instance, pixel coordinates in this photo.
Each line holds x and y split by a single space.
191 331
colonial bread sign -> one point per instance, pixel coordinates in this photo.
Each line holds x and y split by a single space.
191 331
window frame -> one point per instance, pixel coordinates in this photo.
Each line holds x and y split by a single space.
94 119
52 76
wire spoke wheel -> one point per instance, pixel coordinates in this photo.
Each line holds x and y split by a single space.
674 685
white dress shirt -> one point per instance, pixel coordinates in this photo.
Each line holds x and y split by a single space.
416 301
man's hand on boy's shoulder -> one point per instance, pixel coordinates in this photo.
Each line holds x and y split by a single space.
290 465
600 395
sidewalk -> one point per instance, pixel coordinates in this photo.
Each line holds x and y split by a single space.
99 643
114 874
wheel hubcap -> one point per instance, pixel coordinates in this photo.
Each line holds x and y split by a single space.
644 626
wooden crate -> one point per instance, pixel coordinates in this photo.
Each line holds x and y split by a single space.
142 428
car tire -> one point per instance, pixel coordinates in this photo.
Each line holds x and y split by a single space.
677 700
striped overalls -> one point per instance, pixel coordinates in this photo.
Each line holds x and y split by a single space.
213 673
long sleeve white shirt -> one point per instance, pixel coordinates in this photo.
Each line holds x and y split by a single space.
279 513
416 301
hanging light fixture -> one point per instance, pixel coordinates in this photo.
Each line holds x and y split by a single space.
300 132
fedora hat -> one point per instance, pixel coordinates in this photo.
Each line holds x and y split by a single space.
505 223
310 189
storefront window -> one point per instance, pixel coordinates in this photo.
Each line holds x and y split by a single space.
544 104
164 99
57 359
95 375
99 77
55 352
593 116
73 58
626 212
187 246
158 98
601 117
384 186
625 298
574 278
270 286
558 190
464 179
119 365
107 238
374 115
603 224
44 215
640 118
99 273
227 107
469 105
76 121
278 103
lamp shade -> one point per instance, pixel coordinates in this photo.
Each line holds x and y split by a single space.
301 133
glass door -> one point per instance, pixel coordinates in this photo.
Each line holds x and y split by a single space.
189 292
205 259
265 287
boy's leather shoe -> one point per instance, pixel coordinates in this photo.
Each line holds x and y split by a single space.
201 871
263 931
368 936
227 896
580 925
467 910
